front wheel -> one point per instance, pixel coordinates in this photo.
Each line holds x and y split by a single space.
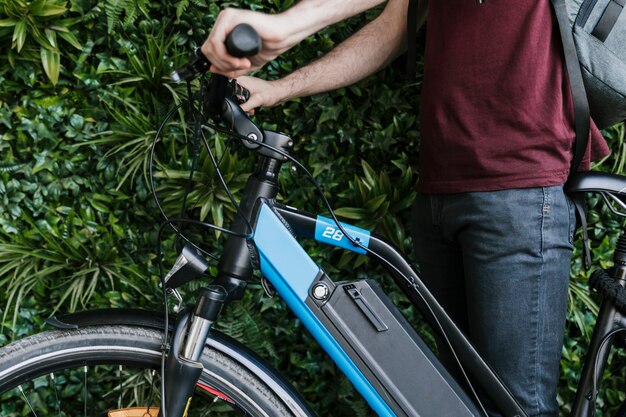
94 371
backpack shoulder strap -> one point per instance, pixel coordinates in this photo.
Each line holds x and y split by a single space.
411 28
577 87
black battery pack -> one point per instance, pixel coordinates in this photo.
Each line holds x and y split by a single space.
388 351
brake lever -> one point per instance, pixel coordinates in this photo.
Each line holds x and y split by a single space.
237 91
239 122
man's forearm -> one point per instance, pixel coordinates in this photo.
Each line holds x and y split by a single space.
364 53
278 32
310 16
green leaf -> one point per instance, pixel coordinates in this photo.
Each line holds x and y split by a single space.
19 35
58 28
180 8
206 208
218 214
101 197
375 203
370 175
11 58
51 35
71 39
47 9
7 23
51 61
353 213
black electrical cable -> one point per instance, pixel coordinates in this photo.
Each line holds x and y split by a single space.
156 198
310 177
151 175
195 150
377 256
605 340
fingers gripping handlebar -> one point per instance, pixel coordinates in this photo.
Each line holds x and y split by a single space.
243 41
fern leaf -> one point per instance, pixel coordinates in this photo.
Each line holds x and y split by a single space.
244 322
131 13
181 7
10 167
93 14
113 10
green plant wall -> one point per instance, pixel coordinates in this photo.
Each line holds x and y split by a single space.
83 89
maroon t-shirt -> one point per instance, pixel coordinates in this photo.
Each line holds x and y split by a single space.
496 110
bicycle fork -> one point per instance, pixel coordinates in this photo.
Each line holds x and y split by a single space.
183 367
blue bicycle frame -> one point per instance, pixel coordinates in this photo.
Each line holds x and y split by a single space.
295 275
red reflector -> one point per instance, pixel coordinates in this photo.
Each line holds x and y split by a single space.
216 393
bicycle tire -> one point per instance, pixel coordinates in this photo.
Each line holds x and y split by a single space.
42 355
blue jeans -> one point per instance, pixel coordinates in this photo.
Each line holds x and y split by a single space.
499 263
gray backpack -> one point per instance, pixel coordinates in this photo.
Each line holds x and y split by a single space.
599 29
593 33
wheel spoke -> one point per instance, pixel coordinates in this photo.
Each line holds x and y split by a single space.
27 401
56 393
85 391
120 371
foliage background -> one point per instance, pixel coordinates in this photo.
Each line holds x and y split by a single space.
83 87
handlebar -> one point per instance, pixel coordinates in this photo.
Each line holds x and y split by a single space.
198 64
243 41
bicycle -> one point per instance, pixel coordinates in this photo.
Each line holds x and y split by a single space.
355 322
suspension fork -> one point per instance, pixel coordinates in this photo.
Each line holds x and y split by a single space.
183 368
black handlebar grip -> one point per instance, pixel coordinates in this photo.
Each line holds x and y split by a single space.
243 41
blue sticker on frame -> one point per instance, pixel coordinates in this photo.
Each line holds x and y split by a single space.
326 231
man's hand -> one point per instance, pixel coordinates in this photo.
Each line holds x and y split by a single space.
272 30
262 93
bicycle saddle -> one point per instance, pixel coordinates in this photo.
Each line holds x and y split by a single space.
596 182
